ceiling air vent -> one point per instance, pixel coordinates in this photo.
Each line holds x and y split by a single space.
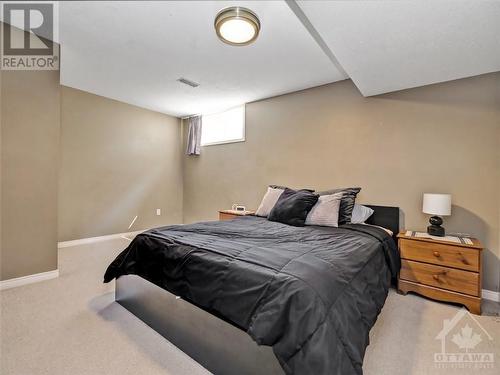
188 82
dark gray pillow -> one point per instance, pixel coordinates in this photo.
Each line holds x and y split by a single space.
278 187
293 206
286 187
347 202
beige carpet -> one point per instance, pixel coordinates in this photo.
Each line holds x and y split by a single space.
71 325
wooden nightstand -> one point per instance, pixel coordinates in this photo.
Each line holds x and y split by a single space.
231 214
441 270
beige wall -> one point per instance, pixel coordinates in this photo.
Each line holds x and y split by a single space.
30 122
439 138
1 178
117 161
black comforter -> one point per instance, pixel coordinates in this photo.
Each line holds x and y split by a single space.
312 293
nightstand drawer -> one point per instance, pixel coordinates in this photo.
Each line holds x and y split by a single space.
440 277
444 255
224 216
231 214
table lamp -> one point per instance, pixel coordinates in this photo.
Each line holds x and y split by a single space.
437 205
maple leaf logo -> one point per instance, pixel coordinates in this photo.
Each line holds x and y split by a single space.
466 339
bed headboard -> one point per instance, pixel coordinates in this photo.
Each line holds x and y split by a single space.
387 217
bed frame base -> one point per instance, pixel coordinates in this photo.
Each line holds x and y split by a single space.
215 344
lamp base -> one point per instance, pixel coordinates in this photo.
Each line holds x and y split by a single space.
435 229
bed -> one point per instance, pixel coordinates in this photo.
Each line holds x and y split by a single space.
250 296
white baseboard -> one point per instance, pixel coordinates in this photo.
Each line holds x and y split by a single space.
30 279
84 241
491 295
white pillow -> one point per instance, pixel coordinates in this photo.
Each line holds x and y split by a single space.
360 214
268 202
326 211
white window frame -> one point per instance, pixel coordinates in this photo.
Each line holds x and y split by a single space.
236 140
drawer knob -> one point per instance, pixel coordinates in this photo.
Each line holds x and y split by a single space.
436 275
464 260
436 254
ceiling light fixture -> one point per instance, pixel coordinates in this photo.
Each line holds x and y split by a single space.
237 26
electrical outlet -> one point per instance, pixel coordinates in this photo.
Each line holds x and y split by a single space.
158 212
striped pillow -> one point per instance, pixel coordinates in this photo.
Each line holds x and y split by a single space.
269 200
347 202
326 211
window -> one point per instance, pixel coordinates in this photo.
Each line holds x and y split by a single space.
223 127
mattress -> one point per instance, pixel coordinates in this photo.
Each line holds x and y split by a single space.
311 293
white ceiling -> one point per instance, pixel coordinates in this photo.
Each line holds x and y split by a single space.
135 51
392 45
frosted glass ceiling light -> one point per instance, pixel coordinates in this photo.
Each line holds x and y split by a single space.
237 26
